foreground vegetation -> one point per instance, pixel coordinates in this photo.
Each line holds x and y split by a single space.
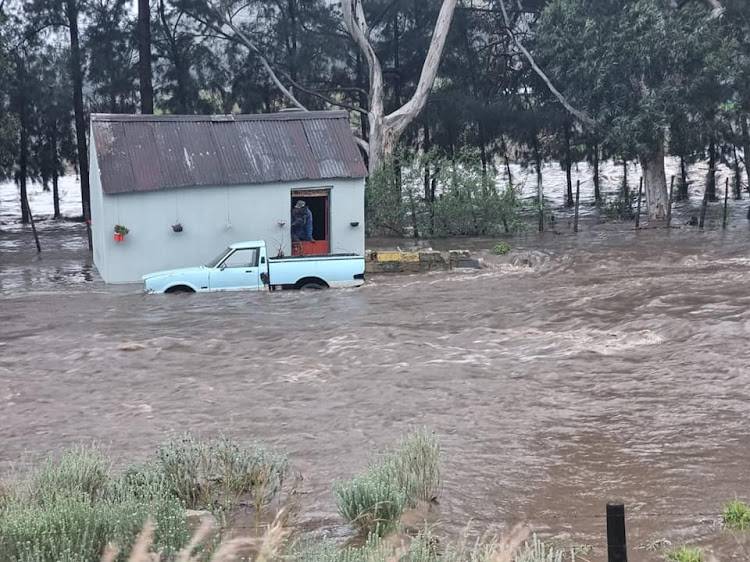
76 508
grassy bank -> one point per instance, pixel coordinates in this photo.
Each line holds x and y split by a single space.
76 508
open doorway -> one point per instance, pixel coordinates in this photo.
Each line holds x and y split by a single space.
317 201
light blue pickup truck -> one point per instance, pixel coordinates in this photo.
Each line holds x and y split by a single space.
245 266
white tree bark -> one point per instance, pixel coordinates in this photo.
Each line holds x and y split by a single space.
386 130
655 185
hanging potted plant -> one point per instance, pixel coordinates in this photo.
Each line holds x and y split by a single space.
120 232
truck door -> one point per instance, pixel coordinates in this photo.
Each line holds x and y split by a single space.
239 271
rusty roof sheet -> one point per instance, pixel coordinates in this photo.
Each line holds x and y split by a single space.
154 152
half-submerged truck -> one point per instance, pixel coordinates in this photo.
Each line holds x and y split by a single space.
245 266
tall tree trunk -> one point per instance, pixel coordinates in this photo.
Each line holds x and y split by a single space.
24 140
426 149
597 188
144 57
625 191
655 185
76 70
55 170
539 182
682 193
386 130
506 158
711 180
737 174
568 167
746 147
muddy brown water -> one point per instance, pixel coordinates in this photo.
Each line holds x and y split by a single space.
608 365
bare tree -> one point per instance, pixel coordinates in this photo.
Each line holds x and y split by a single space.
384 130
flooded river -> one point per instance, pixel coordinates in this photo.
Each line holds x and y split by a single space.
608 365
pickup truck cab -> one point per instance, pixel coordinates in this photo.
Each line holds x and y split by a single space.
245 266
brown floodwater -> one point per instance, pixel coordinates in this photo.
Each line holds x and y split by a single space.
611 365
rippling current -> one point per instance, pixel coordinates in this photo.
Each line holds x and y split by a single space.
608 365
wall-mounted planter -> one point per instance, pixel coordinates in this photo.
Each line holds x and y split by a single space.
120 232
177 227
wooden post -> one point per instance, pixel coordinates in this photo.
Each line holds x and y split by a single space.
578 200
616 539
726 194
33 225
703 209
669 207
638 206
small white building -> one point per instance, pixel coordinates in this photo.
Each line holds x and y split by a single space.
187 186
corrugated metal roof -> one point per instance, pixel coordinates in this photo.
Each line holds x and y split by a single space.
154 152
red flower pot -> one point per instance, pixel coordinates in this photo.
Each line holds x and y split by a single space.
119 237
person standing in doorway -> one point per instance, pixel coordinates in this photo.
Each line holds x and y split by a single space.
302 222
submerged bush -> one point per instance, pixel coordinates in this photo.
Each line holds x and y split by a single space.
418 466
375 500
501 249
736 515
215 473
684 554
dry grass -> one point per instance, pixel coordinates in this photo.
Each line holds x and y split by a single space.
260 549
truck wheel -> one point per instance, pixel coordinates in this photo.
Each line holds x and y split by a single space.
179 289
311 287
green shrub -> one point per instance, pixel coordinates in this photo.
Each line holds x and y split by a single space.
81 470
684 554
736 515
70 528
418 466
373 501
215 473
144 482
501 249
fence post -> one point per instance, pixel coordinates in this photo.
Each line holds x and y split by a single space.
616 541
578 198
726 194
703 210
638 206
669 208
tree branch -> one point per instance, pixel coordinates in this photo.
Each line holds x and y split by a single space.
356 25
264 61
580 115
325 98
403 115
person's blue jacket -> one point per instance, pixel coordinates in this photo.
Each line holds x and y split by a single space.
302 224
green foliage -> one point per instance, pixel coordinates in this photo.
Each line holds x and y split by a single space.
73 508
736 515
71 528
684 554
460 199
375 500
81 471
119 229
417 464
501 249
215 473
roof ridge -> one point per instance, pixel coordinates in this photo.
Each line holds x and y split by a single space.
279 116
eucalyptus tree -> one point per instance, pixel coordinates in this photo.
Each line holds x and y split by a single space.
627 66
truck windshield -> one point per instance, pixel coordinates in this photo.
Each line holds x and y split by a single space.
214 262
